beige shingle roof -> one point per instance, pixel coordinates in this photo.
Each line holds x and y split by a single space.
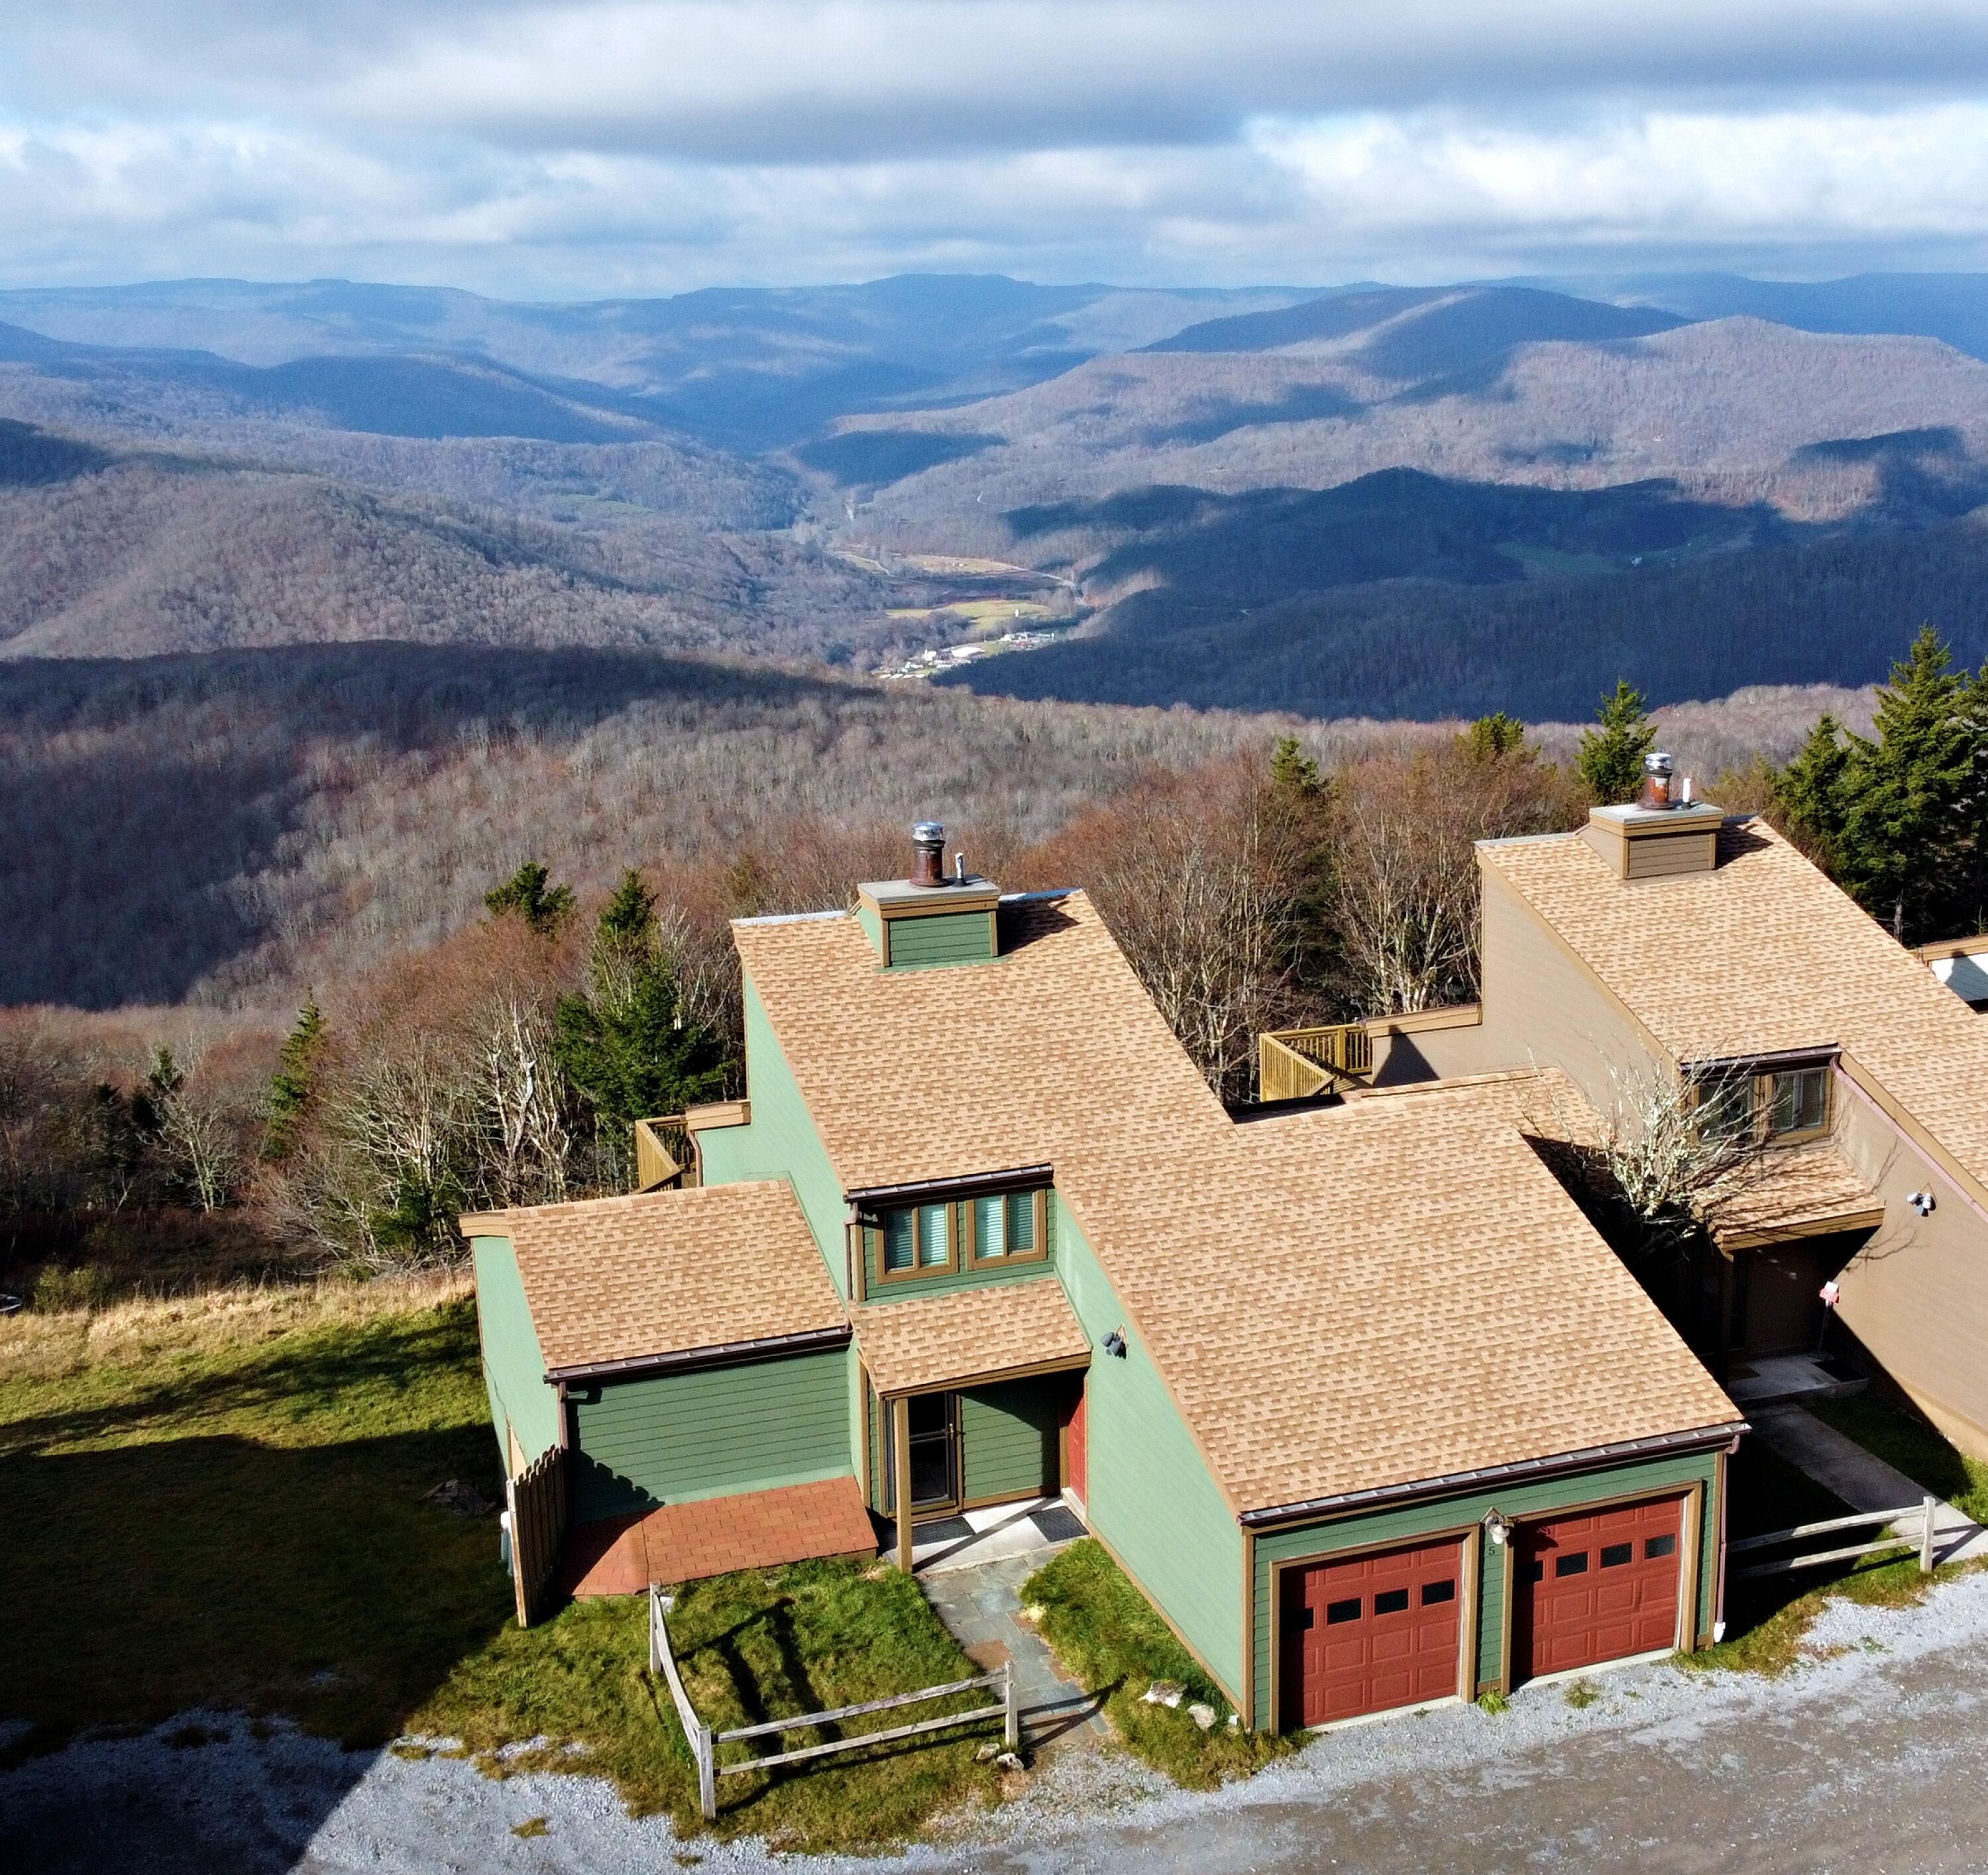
931 1341
1762 955
667 1272
1791 1192
1340 1301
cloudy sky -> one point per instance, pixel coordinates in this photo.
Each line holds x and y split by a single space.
566 148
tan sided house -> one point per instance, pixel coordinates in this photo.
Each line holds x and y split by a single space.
1351 1389
1676 942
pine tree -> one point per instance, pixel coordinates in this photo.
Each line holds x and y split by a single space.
624 1045
529 894
1610 760
1294 773
1493 736
294 1085
1811 791
1911 848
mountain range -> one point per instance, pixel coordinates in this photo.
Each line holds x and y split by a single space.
1368 499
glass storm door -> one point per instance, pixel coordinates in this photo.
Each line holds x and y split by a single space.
935 1452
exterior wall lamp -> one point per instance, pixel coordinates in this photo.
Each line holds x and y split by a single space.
1114 1344
1498 1527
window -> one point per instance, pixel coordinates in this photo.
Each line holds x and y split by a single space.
1656 1547
1009 1227
915 1241
1798 1102
1615 1555
1575 1564
997 1228
1390 1601
1726 1106
934 1236
1434 1591
1337 1612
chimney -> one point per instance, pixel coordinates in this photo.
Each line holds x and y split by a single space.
929 867
1655 791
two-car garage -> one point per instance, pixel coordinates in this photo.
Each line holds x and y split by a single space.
1388 1628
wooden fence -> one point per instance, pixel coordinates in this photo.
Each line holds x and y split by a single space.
1294 1064
703 1742
536 1500
1920 1514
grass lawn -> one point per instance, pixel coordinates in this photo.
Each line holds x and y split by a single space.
1768 1619
1903 1439
236 1519
1109 1637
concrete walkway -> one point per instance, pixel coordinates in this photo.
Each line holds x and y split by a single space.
981 1609
1861 1479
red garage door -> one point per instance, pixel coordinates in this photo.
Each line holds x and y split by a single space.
1596 1587
1372 1632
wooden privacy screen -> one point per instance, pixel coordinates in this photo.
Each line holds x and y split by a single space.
537 1497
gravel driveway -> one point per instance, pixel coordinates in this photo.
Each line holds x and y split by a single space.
1871 1756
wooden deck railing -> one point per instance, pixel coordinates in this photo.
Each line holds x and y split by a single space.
665 1153
1294 1064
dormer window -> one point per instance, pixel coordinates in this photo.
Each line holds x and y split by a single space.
918 1240
989 1231
1782 1104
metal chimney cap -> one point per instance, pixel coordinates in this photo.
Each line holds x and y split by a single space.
1657 762
928 833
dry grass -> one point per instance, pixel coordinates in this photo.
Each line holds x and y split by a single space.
44 1347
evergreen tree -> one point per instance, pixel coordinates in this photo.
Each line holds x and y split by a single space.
1610 760
1490 737
1294 774
1811 793
293 1086
529 894
1911 848
624 1045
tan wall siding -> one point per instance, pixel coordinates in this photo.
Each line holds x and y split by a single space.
1541 1006
1916 1295
1439 1054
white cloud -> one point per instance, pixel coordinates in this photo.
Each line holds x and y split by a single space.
612 145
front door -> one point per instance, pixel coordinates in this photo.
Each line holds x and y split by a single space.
934 1444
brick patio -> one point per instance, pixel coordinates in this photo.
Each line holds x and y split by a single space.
682 1542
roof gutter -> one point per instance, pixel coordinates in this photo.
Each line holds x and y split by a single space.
963 1186
721 1355
1523 1469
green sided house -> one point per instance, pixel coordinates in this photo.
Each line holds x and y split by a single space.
1353 1392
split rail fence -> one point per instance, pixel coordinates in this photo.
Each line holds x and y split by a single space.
703 1742
1921 1515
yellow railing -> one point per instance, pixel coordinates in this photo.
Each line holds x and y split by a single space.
665 1153
1294 1064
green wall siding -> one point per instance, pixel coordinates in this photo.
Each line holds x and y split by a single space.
1540 1498
941 937
1151 1496
1008 1436
780 1143
970 1276
514 1369
673 1438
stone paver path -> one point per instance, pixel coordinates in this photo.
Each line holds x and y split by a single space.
981 1609
1861 1479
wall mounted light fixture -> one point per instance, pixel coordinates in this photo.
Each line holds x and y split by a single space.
1498 1527
1114 1344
